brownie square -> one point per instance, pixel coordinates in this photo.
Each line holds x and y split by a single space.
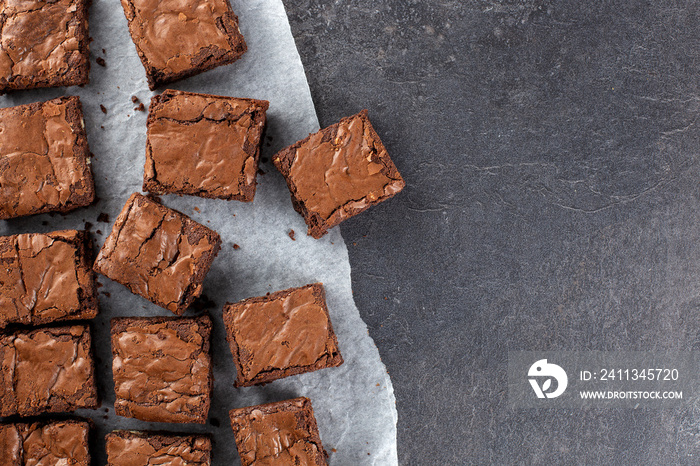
44 158
338 172
47 370
203 145
158 253
43 44
162 368
282 334
132 448
45 443
278 433
179 39
46 277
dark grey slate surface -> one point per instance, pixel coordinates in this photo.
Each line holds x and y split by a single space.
551 155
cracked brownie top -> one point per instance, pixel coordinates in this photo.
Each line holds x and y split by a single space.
203 145
162 368
158 253
43 44
44 158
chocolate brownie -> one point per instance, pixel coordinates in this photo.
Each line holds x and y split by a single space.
282 334
131 448
45 443
162 368
47 370
43 44
179 39
338 172
158 253
203 145
44 158
46 277
278 433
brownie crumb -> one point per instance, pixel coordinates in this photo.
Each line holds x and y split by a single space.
333 450
236 247
88 226
134 99
196 209
261 171
102 127
140 108
292 235
102 107
99 232
101 61
103 217
106 293
104 52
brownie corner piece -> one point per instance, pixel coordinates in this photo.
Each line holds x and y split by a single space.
258 429
46 278
47 370
338 172
189 40
162 368
203 145
158 253
45 45
126 448
60 442
44 158
264 335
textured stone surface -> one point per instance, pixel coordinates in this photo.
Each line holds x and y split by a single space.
550 151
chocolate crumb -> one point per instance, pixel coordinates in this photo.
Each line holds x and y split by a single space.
140 108
236 247
196 209
292 235
333 450
104 52
134 99
101 61
88 226
261 171
102 107
99 232
102 127
103 217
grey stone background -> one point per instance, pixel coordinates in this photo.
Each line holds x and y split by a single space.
551 155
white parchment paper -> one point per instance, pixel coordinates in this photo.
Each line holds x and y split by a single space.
354 403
